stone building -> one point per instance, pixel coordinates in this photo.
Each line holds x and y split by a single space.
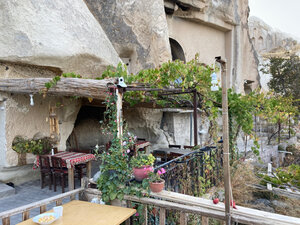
41 38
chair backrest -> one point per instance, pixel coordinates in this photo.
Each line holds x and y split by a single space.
44 162
57 163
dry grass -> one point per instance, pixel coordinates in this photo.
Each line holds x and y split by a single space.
243 176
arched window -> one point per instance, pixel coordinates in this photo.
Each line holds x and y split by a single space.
176 50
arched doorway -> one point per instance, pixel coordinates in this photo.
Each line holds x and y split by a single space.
176 50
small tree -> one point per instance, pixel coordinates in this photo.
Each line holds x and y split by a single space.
285 76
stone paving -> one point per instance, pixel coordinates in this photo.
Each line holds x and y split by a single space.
31 192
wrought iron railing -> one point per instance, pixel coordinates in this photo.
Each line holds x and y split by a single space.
193 173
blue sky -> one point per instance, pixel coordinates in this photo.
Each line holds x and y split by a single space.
281 14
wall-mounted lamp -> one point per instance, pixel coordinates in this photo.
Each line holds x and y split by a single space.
31 100
214 80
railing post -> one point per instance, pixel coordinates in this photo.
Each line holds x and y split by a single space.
183 218
204 220
6 221
58 202
25 215
145 214
129 205
162 216
43 208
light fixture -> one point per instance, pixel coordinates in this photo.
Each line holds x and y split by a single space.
121 82
214 81
31 100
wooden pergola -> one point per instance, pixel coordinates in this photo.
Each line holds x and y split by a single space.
90 88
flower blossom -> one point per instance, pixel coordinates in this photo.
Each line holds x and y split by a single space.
128 150
124 143
161 171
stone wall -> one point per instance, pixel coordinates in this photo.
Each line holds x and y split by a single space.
31 121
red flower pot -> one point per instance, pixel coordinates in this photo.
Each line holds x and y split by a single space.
157 187
142 172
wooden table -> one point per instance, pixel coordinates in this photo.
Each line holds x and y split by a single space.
84 213
74 158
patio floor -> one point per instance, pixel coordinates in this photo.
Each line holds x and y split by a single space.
31 192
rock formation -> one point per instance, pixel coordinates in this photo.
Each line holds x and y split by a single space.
61 35
267 40
137 29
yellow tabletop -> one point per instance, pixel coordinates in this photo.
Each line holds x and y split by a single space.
85 213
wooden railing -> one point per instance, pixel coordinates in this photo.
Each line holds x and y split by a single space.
165 200
25 210
186 204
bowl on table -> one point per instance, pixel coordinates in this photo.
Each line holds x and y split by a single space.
45 218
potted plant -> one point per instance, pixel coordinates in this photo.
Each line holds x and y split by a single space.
142 165
156 183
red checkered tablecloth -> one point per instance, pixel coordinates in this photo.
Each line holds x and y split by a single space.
71 158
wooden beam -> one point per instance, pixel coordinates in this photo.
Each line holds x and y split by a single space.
225 132
88 88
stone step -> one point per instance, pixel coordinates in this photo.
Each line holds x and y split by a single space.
6 190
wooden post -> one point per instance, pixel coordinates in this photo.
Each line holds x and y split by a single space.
43 208
89 169
204 220
195 118
71 181
58 202
119 93
269 186
183 218
225 141
162 216
145 214
25 215
129 205
6 221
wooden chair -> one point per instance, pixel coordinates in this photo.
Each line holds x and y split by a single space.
60 171
45 170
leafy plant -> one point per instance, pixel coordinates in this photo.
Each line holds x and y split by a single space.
36 147
142 160
154 177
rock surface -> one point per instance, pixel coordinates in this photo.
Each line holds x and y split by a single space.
266 39
59 34
137 29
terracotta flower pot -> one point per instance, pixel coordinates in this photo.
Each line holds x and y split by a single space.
157 187
142 172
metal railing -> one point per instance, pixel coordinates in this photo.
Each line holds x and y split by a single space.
194 172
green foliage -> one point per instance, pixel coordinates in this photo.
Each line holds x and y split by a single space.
115 168
54 81
285 76
142 160
36 147
289 176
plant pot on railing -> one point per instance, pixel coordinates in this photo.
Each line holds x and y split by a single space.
157 186
142 172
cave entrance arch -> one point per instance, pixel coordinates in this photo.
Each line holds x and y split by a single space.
176 50
87 133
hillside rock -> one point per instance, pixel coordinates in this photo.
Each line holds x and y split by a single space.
267 40
137 29
59 34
